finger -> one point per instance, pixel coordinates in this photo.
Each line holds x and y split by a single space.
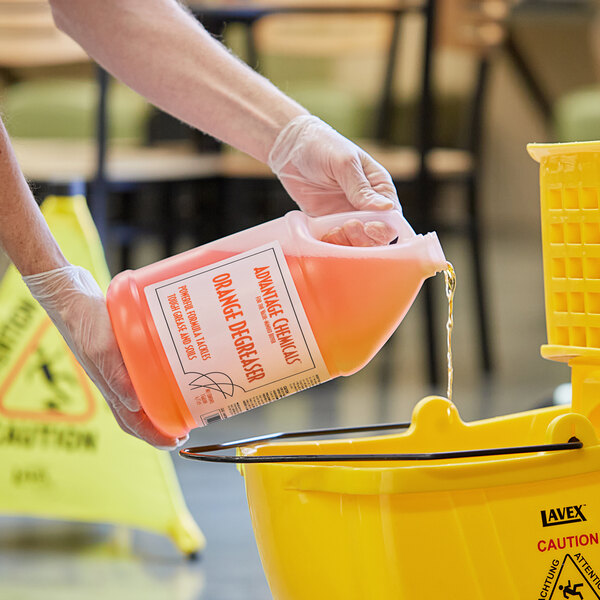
364 197
381 233
355 232
336 236
120 384
359 190
116 390
120 420
137 424
316 200
379 179
110 361
144 429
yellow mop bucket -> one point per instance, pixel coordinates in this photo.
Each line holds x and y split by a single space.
504 508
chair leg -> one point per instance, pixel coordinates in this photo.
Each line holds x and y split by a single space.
430 334
425 192
168 225
478 277
128 199
212 196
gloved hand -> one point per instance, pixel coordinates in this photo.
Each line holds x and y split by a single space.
76 305
326 173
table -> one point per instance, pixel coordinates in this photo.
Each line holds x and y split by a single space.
215 15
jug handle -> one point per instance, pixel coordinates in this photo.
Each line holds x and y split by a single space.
319 226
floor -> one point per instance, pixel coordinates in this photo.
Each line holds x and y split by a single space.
62 561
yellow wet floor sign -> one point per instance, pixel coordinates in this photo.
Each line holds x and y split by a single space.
62 455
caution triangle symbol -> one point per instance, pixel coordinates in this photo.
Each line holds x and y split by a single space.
572 583
46 364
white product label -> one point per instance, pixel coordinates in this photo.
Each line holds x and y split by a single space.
235 334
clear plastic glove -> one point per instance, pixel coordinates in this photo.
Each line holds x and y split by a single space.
76 305
326 173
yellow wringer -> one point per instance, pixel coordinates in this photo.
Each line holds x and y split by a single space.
570 196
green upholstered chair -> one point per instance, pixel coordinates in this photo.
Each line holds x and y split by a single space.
312 59
576 115
66 108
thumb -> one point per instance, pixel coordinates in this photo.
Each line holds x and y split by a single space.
368 186
121 385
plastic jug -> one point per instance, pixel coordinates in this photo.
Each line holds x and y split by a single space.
261 314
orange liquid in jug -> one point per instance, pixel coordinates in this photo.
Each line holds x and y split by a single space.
353 306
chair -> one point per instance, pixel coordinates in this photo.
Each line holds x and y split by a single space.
466 31
396 45
69 122
576 115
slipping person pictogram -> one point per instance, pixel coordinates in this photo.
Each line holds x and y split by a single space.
571 592
55 378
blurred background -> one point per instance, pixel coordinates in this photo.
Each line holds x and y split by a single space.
445 94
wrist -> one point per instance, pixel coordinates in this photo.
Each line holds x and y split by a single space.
57 290
40 261
287 141
278 124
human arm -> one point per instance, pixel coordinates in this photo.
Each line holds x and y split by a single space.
24 234
157 48
70 296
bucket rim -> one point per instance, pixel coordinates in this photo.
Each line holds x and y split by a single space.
539 151
551 424
437 478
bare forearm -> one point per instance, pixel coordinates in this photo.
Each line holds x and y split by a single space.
159 50
24 234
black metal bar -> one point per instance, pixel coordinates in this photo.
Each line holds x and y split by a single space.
431 347
425 137
251 50
99 191
198 454
215 17
387 89
474 221
424 183
249 14
529 79
168 208
269 437
479 286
